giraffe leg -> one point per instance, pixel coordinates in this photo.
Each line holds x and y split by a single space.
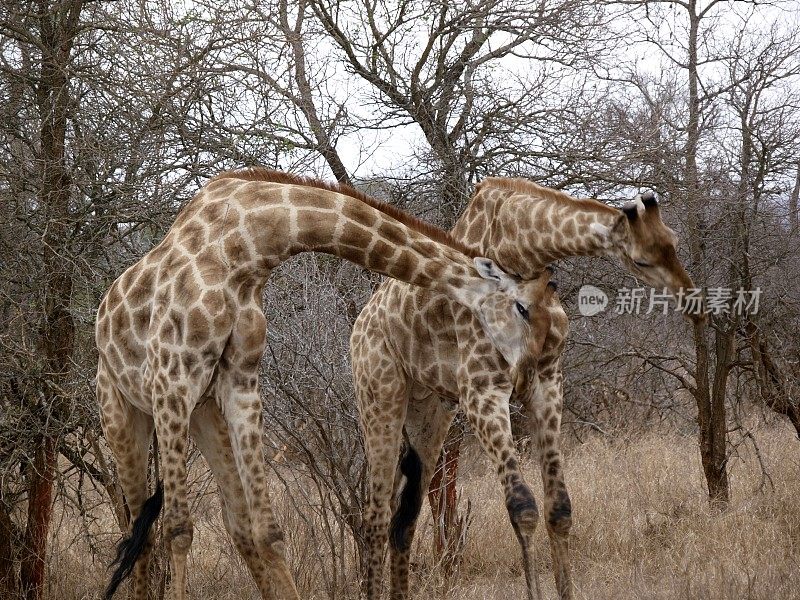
427 423
488 414
235 389
242 411
210 432
382 414
172 407
128 432
545 413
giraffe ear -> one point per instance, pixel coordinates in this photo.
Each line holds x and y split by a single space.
488 269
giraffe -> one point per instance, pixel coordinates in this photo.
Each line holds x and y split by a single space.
442 359
180 335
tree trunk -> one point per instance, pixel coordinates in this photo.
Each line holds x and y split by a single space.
710 410
443 500
325 146
715 468
40 502
711 422
58 26
9 583
793 203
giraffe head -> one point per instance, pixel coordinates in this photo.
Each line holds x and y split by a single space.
515 316
645 245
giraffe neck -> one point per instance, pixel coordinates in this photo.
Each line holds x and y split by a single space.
289 219
526 230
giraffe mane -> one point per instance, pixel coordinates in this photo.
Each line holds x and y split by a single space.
272 176
536 191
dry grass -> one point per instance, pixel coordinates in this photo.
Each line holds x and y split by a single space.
642 529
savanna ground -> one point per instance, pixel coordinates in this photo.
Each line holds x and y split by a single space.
642 529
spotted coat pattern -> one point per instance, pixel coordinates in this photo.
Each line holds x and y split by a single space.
180 335
417 357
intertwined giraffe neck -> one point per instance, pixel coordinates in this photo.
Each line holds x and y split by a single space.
525 227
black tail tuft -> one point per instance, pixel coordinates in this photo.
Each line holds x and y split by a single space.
410 501
130 548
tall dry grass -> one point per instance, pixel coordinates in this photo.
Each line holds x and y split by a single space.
642 529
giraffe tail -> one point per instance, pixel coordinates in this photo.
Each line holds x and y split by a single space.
410 500
131 547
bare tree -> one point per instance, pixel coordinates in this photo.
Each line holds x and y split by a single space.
432 64
730 83
53 28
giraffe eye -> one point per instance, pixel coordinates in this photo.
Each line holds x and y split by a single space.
522 310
